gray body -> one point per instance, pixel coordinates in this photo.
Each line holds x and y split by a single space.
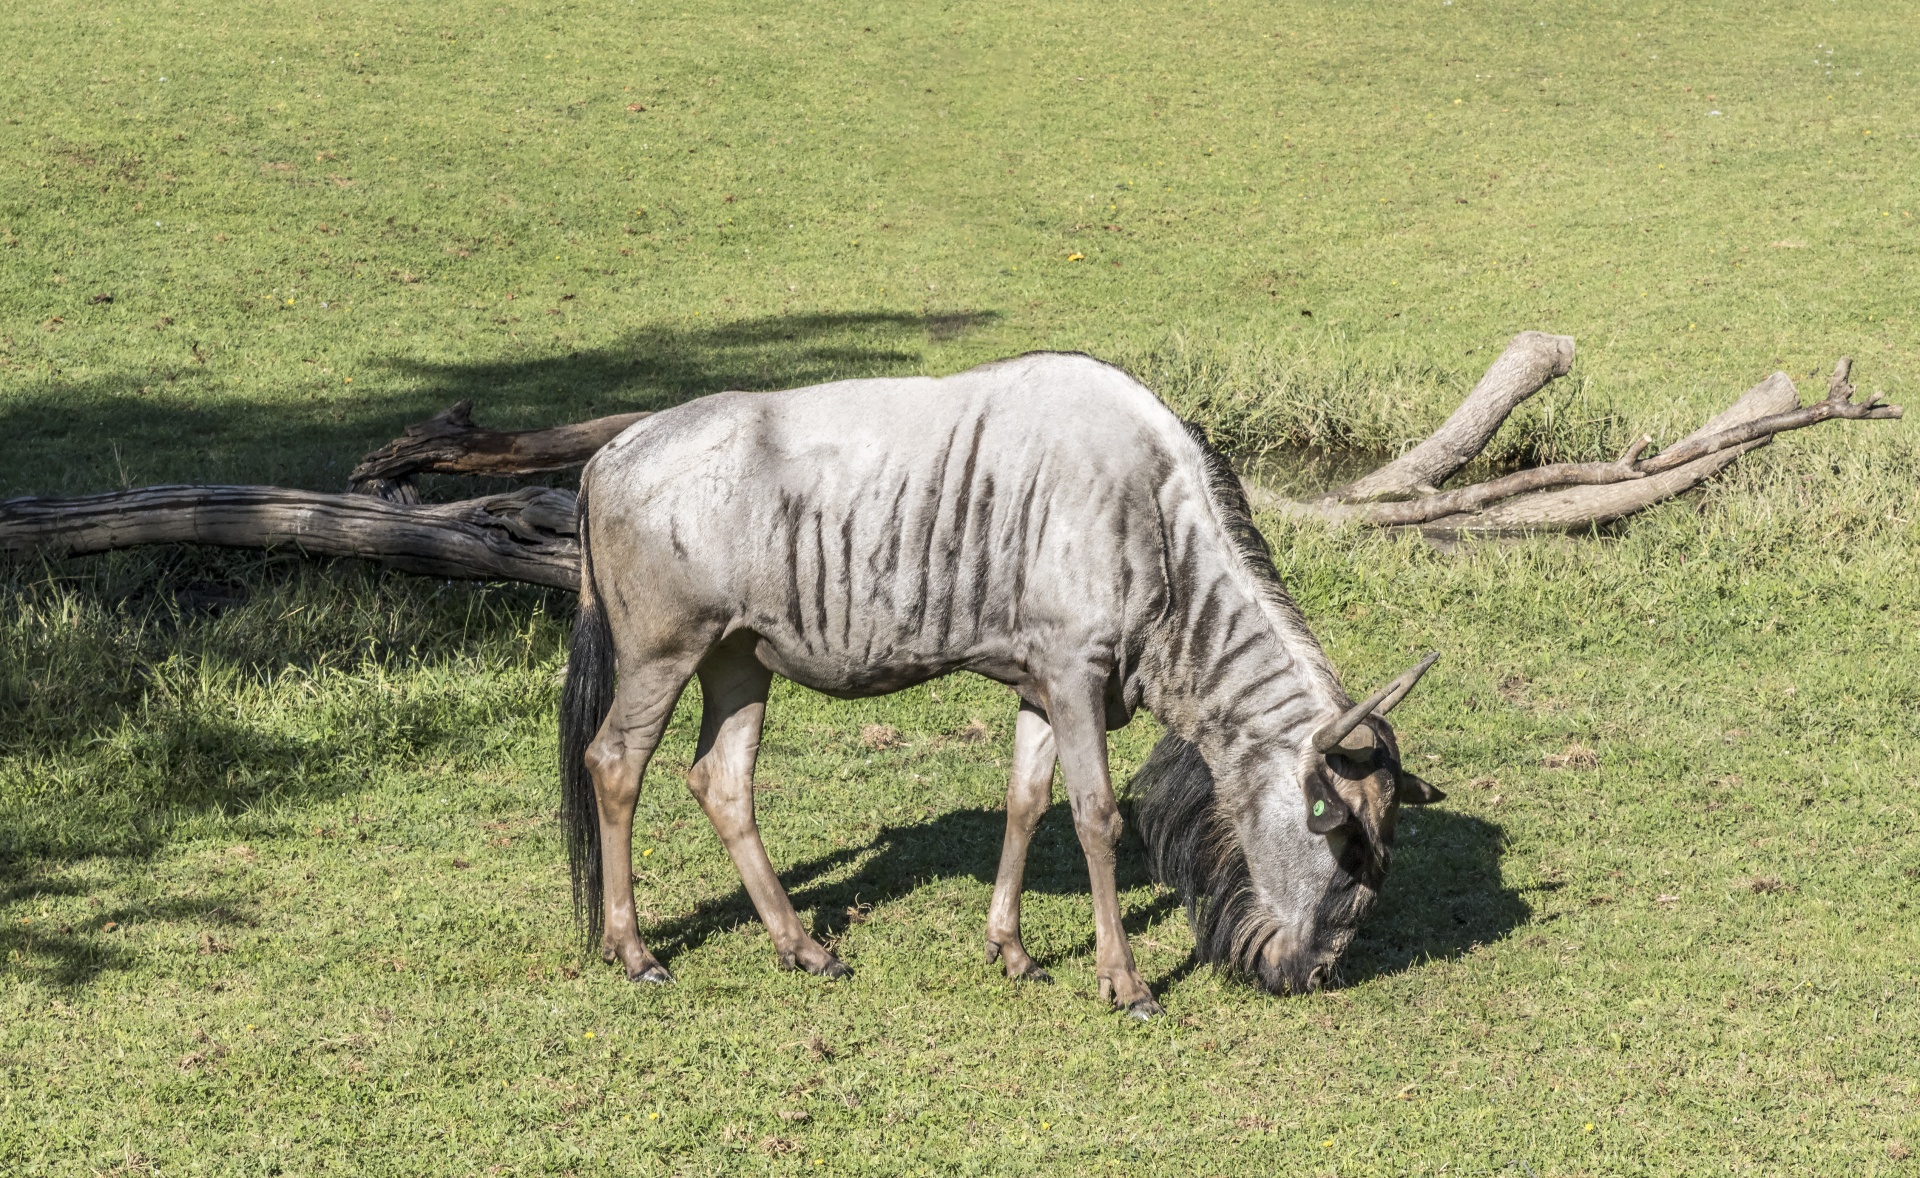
1044 522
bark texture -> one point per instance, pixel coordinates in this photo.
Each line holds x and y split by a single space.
1531 361
450 443
1572 496
529 535
524 536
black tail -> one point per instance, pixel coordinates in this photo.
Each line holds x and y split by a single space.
584 703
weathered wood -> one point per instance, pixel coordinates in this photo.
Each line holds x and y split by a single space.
1839 403
1473 497
1579 508
524 536
1530 362
529 535
1569 496
450 443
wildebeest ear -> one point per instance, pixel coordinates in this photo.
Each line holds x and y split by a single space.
1325 811
1412 791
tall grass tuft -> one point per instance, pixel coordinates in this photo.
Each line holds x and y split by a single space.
1322 393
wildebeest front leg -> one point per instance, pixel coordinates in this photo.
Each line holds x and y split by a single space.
1028 793
617 760
1079 727
733 688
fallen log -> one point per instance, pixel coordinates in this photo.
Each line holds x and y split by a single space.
1561 496
1402 493
1530 362
449 443
1577 508
527 535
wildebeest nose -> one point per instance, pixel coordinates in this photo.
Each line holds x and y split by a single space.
1290 975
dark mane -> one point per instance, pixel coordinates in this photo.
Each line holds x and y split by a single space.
1192 842
1192 850
1229 499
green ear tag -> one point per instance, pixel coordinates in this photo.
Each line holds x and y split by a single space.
1319 808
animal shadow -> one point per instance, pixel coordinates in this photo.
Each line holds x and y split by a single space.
1443 898
899 859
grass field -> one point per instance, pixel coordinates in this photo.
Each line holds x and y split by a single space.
281 888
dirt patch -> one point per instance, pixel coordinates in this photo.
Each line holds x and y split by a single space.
881 736
1574 756
976 731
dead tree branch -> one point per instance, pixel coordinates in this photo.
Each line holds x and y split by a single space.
1578 508
1571 496
529 535
1839 403
1531 361
525 536
450 443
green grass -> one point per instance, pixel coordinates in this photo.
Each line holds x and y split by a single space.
1693 952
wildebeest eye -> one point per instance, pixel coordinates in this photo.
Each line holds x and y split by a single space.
1353 768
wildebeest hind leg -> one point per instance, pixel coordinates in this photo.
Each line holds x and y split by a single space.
617 760
1029 791
733 688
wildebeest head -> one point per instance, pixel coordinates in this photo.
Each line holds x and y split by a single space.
1277 871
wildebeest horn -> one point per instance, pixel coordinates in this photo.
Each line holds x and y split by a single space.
1381 701
1397 690
1331 736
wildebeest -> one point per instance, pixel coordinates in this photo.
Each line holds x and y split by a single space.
1043 521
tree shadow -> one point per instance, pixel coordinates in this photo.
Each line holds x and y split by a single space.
1444 897
84 670
120 745
119 682
655 367
70 955
182 763
178 423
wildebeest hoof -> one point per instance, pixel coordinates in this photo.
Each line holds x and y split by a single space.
829 966
657 975
1034 973
1144 1010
